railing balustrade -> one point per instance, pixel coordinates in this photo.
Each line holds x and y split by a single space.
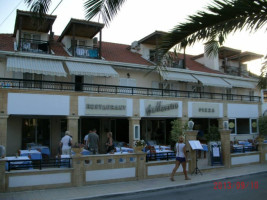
84 51
115 89
35 46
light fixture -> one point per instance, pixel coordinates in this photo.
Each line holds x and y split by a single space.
190 125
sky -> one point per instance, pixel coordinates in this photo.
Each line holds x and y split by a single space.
137 19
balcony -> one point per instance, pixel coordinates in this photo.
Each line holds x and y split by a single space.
84 51
34 46
6 83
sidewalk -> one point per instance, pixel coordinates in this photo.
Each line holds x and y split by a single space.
132 186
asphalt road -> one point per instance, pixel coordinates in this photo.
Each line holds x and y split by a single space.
251 187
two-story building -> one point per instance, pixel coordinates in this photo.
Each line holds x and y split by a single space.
76 82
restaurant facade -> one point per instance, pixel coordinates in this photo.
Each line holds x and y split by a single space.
77 83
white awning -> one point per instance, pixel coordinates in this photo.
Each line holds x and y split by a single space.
175 76
35 65
212 81
240 83
90 69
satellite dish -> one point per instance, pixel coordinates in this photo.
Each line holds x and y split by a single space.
135 45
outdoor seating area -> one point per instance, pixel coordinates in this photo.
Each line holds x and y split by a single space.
244 146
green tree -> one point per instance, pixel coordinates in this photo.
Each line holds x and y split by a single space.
263 126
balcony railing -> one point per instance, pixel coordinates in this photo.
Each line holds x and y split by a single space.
35 46
115 89
85 51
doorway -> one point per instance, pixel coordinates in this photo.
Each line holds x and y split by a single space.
78 83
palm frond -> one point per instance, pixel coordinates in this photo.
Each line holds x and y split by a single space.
40 7
107 9
262 84
220 19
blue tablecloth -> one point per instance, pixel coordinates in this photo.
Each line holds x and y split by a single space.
33 154
124 149
43 149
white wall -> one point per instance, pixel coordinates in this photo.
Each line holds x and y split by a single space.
14 136
38 104
242 111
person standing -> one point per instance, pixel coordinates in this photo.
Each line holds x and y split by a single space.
180 158
93 142
109 143
66 143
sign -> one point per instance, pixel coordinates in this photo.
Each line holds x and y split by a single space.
207 110
154 108
105 107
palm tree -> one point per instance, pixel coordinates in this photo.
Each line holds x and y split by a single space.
213 25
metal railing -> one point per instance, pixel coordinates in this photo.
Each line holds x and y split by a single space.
35 46
38 164
115 89
84 51
160 156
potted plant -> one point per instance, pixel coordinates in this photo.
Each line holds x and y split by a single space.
139 145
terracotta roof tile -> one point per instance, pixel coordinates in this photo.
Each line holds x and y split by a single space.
121 53
6 42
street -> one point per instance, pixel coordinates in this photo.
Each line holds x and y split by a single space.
245 187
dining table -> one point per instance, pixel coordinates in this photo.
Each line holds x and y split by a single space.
43 149
33 154
18 162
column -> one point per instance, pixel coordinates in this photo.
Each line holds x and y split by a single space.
226 151
133 122
3 130
191 135
79 171
263 151
73 122
2 176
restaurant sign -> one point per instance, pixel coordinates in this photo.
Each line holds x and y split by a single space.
154 108
106 106
208 110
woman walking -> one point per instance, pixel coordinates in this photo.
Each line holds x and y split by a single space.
180 158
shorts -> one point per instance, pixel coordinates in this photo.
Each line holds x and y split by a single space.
180 159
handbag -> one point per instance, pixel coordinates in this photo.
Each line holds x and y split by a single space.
69 143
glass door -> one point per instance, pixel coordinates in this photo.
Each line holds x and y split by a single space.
35 131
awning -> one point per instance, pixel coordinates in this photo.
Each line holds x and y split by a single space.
35 65
90 69
212 81
240 83
175 76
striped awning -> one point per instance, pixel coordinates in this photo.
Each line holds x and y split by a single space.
35 65
175 76
241 83
212 81
91 69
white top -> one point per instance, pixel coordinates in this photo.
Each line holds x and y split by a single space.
180 150
85 138
65 141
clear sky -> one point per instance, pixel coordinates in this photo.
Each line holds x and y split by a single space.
137 19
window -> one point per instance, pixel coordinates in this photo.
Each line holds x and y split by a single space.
229 94
152 55
232 126
242 126
254 125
